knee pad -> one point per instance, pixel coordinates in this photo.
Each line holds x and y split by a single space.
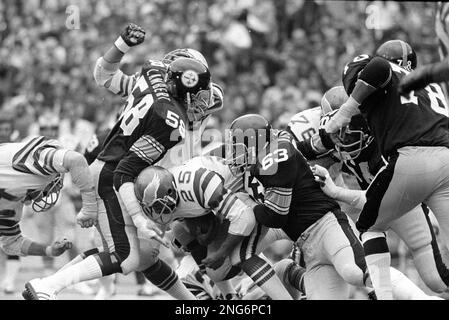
89 252
109 263
374 242
161 275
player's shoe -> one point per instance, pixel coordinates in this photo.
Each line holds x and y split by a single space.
36 290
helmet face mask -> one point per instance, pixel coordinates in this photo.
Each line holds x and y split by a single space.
161 210
48 197
198 104
156 192
354 138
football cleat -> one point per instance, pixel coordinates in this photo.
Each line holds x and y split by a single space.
36 290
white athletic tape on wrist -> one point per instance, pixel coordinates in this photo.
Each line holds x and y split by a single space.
48 251
121 45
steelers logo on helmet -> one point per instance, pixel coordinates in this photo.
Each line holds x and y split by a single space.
189 78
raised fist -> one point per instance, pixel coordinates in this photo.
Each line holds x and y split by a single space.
133 35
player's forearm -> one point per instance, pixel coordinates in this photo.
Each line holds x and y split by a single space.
355 198
231 241
439 71
132 205
23 246
345 113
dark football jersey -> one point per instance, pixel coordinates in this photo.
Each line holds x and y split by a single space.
290 188
95 145
151 123
397 121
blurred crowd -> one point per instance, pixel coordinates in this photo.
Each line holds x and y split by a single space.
275 57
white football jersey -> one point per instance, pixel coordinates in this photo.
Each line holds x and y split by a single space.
305 123
204 185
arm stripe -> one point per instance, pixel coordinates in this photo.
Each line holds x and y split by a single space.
276 208
126 89
206 180
280 191
121 85
196 185
229 206
8 223
210 187
223 203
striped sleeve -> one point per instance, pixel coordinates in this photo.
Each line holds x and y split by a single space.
114 79
278 199
208 187
148 149
38 156
8 225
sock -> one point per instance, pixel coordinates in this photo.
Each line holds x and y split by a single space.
264 276
12 267
405 289
79 258
88 269
291 275
140 278
226 288
378 260
164 277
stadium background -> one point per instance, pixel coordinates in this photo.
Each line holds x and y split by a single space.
274 57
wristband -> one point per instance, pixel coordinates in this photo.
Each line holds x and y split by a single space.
49 251
121 45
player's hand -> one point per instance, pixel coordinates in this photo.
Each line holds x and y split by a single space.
326 183
415 80
214 260
59 246
151 231
87 217
133 35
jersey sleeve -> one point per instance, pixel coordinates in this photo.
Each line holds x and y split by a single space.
114 80
40 156
94 146
160 135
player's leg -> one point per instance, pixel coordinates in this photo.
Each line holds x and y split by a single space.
342 248
259 270
405 289
416 230
322 282
292 276
12 268
409 179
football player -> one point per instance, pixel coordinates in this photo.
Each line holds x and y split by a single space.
358 162
411 133
153 121
32 173
191 191
291 205
12 263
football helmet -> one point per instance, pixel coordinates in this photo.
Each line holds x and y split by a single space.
354 138
184 53
155 189
49 125
189 82
332 99
246 137
6 126
45 199
398 52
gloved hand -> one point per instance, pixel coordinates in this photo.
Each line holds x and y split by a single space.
58 247
325 181
133 35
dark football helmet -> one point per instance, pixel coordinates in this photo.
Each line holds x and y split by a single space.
155 189
247 136
189 81
399 52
